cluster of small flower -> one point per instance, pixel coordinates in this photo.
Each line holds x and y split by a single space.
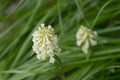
85 38
45 42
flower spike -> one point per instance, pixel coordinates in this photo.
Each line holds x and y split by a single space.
45 43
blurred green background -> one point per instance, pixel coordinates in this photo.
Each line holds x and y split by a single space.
18 20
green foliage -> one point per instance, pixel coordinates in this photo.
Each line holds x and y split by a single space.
18 20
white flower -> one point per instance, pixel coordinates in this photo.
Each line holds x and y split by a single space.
85 38
45 43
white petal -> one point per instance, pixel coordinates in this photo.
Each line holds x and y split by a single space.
49 26
91 36
82 27
38 56
43 57
39 28
47 40
95 33
42 25
78 43
85 47
93 42
52 60
83 37
78 34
